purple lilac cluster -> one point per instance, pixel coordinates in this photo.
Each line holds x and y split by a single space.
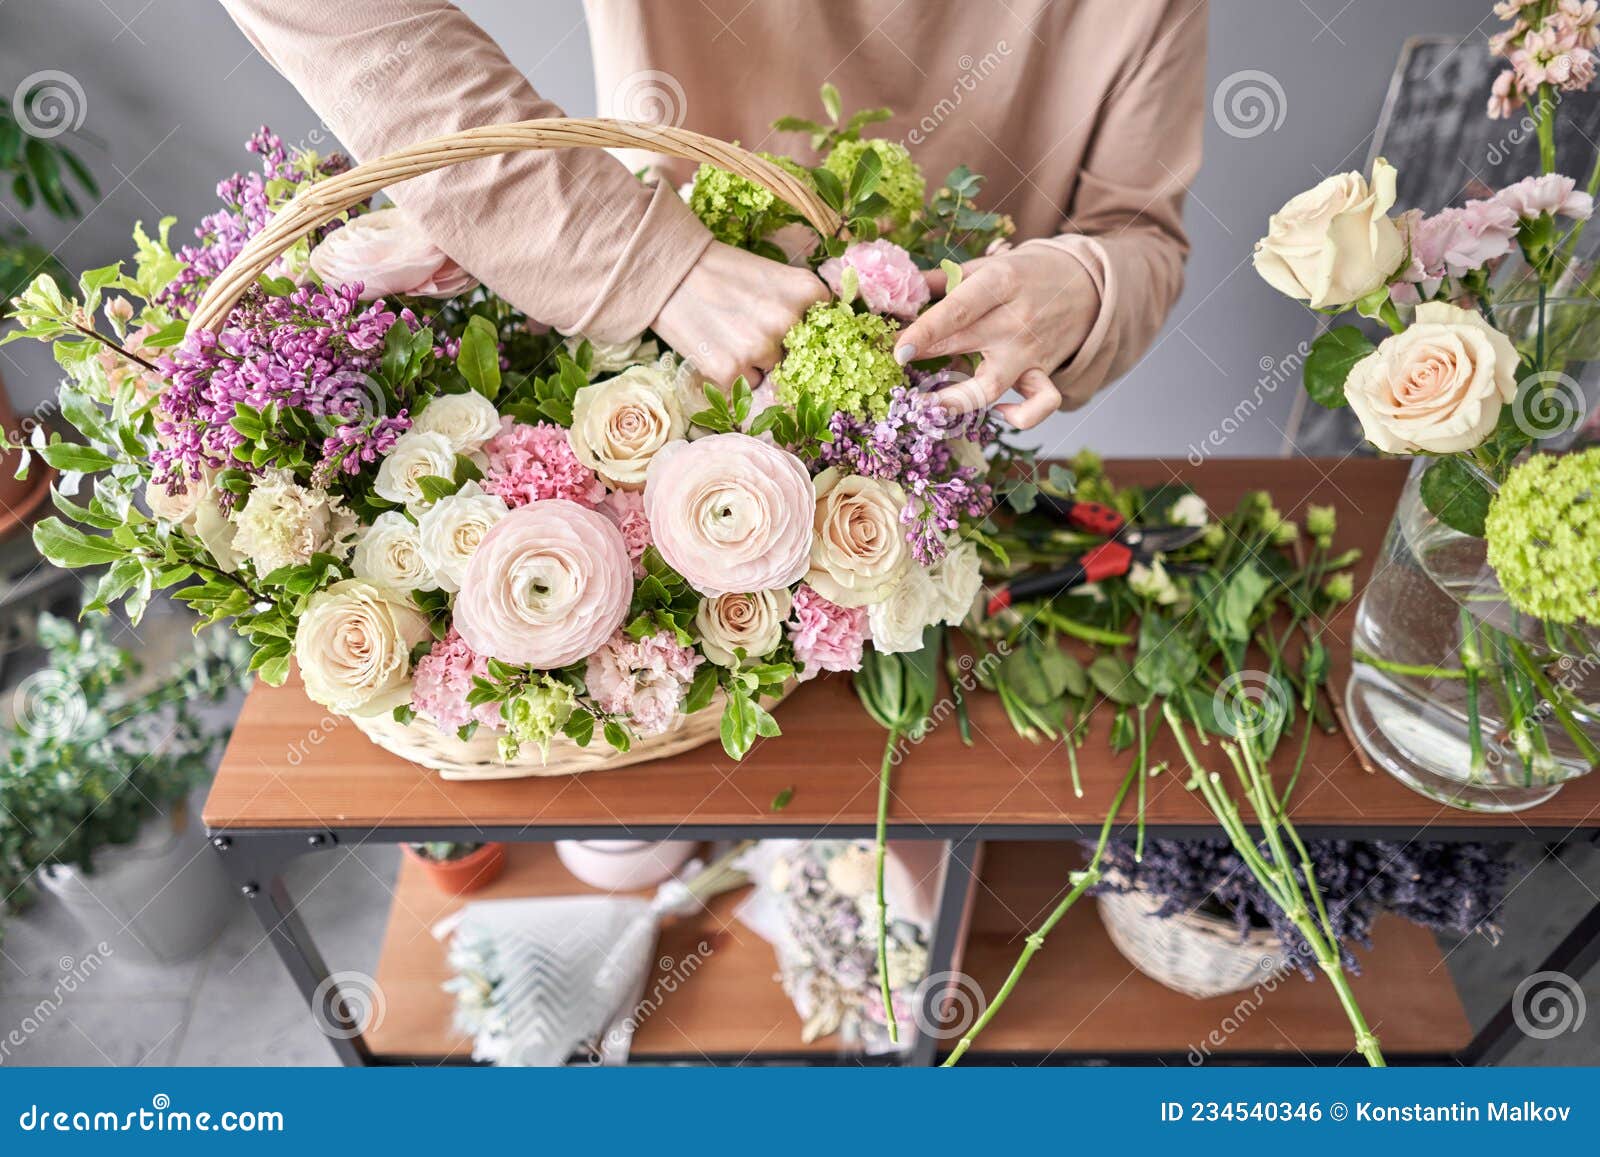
911 445
311 350
247 207
1446 887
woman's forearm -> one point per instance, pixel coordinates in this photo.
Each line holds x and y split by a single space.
570 237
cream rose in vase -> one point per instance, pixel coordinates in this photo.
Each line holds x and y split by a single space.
620 424
353 647
1334 244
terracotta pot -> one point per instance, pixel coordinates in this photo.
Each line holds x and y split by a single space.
468 874
20 501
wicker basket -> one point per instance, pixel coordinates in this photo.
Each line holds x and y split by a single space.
1195 953
421 742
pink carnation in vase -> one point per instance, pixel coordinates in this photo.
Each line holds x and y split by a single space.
888 280
626 509
1551 193
644 681
386 253
441 681
531 463
826 636
1454 242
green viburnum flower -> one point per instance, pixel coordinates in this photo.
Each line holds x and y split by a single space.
844 358
738 211
536 715
1341 587
1321 522
1544 537
901 184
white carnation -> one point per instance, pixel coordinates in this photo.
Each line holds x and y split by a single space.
283 524
466 420
451 530
1152 582
1190 510
913 604
416 455
389 554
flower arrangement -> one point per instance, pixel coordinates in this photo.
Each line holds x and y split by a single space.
434 509
1485 304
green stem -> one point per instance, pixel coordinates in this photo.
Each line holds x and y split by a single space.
1586 746
1471 661
1035 941
1142 768
883 904
1416 670
1547 129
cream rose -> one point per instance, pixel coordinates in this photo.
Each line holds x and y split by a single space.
956 580
751 621
283 524
730 513
912 605
1436 387
415 456
170 507
389 554
353 647
387 253
451 530
466 420
215 532
1333 244
858 553
620 424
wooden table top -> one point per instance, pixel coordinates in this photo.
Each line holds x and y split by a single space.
291 765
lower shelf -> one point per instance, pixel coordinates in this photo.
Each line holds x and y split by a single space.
1080 997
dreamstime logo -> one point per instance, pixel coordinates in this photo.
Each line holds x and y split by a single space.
49 705
351 398
1248 103
652 98
973 72
75 972
347 1004
49 103
1274 971
1248 703
948 1004
1548 404
1275 372
1548 1004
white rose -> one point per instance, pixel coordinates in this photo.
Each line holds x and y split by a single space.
859 551
415 456
452 529
1153 582
216 533
389 554
752 621
619 424
956 578
912 605
283 524
467 420
1190 510
608 357
170 507
353 647
1436 387
1333 244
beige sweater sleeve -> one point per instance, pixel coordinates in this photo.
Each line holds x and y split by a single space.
570 237
1125 223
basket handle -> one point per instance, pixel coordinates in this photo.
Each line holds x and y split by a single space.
319 203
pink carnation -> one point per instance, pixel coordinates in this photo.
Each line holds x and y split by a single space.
441 681
626 509
826 636
643 681
1551 193
530 463
889 280
1454 242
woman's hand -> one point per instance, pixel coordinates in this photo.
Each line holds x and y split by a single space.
1026 311
729 315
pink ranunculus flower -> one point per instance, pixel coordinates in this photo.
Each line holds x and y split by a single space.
730 513
548 584
826 636
889 280
387 253
1551 193
643 680
441 681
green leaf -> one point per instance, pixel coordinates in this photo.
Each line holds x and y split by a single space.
1455 495
434 487
1167 661
782 799
1114 679
70 457
702 689
830 102
68 547
479 357
738 726
1329 361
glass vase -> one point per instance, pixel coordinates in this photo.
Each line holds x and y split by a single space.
1454 692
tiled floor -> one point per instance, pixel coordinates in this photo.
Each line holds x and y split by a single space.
236 1005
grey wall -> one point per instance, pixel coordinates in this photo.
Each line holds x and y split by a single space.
172 89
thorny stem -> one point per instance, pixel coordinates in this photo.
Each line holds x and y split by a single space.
1035 941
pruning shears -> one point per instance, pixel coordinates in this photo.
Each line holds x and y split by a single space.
1125 545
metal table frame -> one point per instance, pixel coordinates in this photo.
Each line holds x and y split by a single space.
256 858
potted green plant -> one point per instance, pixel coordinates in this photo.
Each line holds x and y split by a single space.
95 791
456 869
